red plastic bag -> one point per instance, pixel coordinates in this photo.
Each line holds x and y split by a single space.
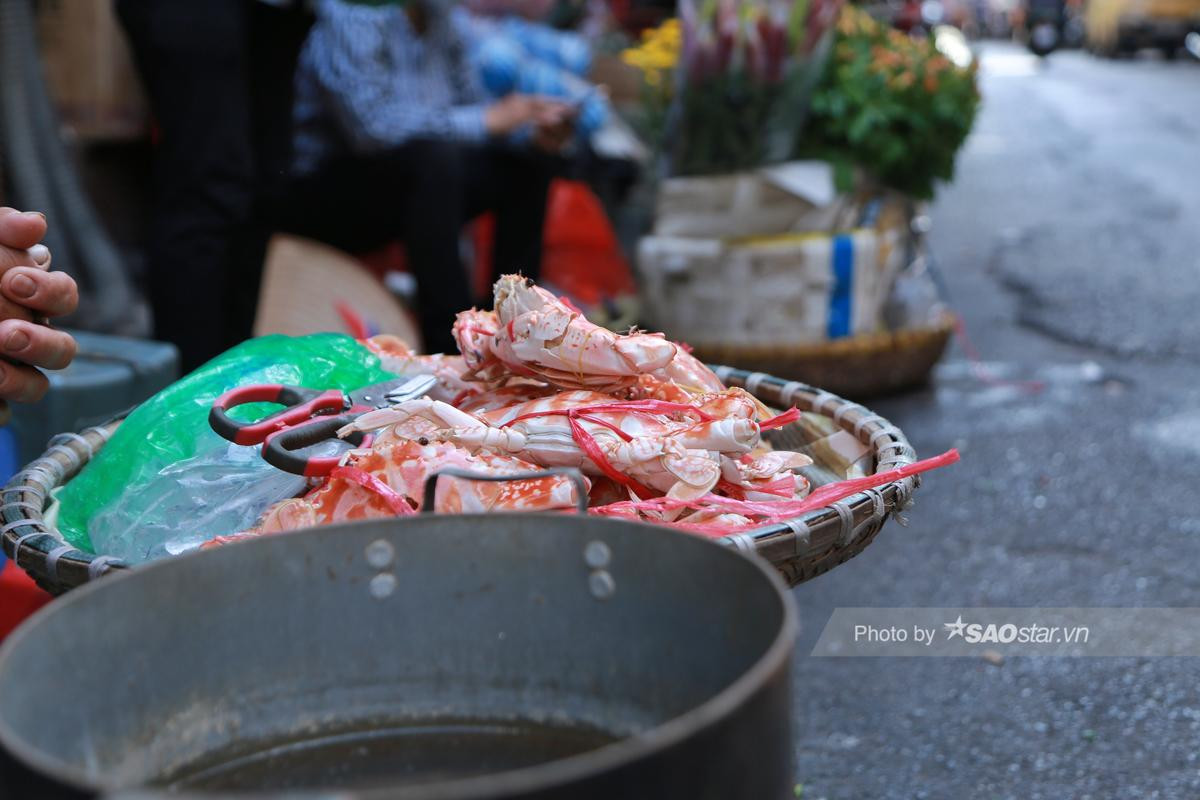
581 254
19 597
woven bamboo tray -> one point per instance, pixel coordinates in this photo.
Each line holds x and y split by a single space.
861 367
801 548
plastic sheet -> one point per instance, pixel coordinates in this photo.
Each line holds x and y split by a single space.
144 478
219 491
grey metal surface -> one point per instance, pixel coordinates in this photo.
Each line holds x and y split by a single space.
621 627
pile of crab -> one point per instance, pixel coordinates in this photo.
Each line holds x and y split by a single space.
536 385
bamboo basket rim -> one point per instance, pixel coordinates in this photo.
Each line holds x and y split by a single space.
843 347
801 548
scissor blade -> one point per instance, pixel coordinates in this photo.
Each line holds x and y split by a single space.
380 395
418 386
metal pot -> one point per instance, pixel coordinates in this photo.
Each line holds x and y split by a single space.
500 656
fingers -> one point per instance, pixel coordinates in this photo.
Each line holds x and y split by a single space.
25 288
555 136
35 344
50 293
11 310
37 256
549 141
21 230
551 112
21 383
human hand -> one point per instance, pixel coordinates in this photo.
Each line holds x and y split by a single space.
29 293
515 110
552 137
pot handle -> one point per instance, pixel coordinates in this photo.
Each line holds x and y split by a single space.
570 473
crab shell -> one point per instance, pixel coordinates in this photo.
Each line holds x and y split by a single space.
405 467
688 372
541 336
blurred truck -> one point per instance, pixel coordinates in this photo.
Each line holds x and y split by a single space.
1118 27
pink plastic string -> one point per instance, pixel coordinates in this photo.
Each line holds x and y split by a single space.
394 500
773 511
980 370
353 320
786 418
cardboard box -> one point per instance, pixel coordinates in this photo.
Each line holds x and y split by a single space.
773 256
89 69
789 198
303 282
788 289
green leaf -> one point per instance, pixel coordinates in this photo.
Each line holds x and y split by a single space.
796 21
843 174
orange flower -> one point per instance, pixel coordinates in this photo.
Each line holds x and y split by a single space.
931 83
885 57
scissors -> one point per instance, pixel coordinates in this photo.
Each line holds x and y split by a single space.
312 418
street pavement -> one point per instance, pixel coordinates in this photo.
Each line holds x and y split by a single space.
1070 242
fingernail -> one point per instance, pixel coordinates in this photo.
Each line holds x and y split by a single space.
40 254
35 214
17 340
22 286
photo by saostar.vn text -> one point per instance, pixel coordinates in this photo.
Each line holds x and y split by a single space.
975 633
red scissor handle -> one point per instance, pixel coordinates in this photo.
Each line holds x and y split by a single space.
302 405
288 449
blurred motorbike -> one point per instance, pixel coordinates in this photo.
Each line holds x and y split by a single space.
1044 24
1192 44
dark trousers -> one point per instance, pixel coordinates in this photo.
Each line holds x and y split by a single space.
218 75
422 193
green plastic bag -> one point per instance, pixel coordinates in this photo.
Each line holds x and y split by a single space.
172 426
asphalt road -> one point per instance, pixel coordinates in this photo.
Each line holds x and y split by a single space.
1070 242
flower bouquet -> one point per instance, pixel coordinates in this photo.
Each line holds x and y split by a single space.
655 59
727 84
893 106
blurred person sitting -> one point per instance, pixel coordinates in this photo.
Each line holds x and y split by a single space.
29 293
396 139
529 9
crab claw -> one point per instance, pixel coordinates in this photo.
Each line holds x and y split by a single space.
722 435
373 420
768 477
696 470
767 466
473 331
442 415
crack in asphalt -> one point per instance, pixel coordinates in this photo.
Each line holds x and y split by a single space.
1039 311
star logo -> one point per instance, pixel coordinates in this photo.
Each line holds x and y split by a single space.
955 628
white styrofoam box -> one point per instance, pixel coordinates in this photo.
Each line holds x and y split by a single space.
793 288
798 196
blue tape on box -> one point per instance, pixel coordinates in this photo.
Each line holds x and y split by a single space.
841 298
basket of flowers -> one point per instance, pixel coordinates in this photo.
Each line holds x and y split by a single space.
801 261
